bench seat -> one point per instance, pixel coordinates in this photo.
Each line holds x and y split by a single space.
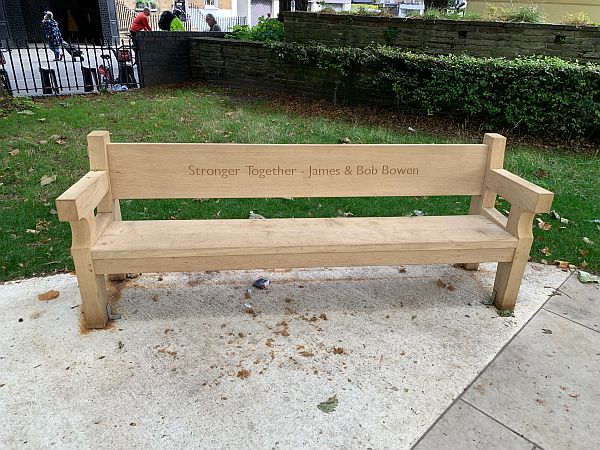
188 245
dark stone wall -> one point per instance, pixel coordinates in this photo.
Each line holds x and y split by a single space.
476 38
249 65
164 56
17 33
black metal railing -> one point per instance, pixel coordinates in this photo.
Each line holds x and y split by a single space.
73 68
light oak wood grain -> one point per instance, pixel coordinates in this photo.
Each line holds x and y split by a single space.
280 261
105 244
80 199
179 238
163 170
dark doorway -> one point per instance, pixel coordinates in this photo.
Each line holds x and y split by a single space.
79 20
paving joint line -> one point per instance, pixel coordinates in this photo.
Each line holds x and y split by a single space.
487 366
570 320
502 424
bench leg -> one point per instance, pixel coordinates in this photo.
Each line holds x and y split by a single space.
92 287
508 279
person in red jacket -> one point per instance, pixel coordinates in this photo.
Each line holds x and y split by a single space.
140 23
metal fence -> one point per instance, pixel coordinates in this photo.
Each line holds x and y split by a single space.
194 21
37 70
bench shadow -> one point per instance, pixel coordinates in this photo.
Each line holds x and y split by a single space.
190 295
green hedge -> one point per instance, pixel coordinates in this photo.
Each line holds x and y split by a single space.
538 95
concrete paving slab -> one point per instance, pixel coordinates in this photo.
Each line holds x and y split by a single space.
189 366
544 385
577 301
464 428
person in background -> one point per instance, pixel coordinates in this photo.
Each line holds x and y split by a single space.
176 23
140 23
212 23
52 34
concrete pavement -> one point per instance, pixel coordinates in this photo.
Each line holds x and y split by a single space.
541 391
189 365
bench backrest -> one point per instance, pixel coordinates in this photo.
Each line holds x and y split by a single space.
147 171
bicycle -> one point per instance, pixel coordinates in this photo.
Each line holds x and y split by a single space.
4 80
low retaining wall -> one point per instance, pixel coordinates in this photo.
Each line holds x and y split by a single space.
476 38
163 56
249 65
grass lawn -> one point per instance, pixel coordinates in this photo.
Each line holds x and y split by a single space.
52 142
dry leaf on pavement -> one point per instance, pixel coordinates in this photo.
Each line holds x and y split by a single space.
50 295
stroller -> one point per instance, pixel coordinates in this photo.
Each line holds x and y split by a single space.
73 50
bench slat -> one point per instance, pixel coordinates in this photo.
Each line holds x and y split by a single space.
306 260
144 171
186 238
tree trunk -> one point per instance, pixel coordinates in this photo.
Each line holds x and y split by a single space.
440 4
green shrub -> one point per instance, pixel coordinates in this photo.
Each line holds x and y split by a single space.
529 14
438 14
534 94
578 19
328 10
266 30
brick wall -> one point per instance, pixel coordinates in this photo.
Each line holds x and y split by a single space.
163 56
475 38
249 65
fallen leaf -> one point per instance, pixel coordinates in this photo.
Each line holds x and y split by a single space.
338 351
588 241
50 295
243 374
543 225
14 152
27 112
401 269
554 214
42 142
345 140
574 395
546 251
269 342
42 119
54 137
47 179
546 331
53 212
61 141
565 221
441 283
540 173
564 265
30 231
329 405
586 277
584 251
413 317
307 354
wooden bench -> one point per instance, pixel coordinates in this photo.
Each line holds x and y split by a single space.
103 244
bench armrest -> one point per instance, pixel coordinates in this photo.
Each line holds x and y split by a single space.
519 191
80 199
